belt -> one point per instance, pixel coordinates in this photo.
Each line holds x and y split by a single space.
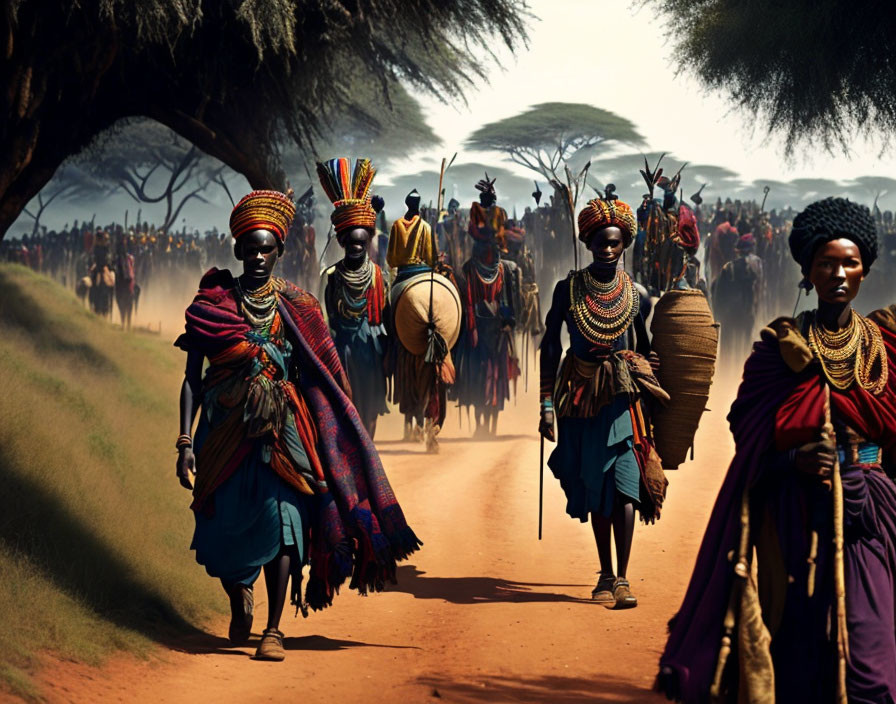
862 453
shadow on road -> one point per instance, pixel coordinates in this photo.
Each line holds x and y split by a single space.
478 590
459 441
322 643
206 644
554 689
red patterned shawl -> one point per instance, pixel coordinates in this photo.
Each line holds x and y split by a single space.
360 530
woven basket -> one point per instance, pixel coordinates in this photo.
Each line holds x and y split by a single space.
686 338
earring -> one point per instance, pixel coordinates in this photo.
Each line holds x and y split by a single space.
804 285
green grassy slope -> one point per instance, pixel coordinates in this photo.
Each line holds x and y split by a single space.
94 528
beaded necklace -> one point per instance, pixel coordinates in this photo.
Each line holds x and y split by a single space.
854 353
353 288
259 306
487 273
603 310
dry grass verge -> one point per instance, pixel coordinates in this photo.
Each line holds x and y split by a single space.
94 528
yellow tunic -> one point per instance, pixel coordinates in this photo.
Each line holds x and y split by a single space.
411 242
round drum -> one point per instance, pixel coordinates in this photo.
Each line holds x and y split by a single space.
411 308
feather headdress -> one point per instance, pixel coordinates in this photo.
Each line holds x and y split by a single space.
347 184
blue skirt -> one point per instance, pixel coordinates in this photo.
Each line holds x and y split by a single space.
594 460
256 514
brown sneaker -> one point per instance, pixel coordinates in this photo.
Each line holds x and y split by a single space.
622 592
271 646
603 592
242 604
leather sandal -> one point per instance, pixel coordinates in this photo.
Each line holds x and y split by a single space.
271 646
242 604
603 592
622 593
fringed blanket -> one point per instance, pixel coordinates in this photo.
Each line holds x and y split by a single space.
360 530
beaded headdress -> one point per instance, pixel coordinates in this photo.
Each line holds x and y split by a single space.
347 184
263 210
607 212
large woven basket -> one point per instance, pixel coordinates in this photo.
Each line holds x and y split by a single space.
686 338
411 310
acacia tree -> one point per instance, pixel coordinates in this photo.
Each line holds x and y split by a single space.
382 130
546 136
814 188
873 187
70 181
153 165
819 71
236 79
509 186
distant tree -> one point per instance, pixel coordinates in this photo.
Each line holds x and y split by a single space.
237 79
816 71
153 165
816 188
623 171
384 130
546 136
509 187
70 181
871 188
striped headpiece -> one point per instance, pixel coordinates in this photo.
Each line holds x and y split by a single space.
263 210
600 213
347 184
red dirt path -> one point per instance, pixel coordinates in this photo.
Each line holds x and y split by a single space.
483 613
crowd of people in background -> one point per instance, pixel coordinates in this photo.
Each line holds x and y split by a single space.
739 258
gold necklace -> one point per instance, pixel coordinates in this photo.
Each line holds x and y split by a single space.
853 353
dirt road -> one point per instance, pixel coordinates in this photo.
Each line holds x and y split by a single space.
483 613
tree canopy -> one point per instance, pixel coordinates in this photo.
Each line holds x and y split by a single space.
819 71
237 79
546 136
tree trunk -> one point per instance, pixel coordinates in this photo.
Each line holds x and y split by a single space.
60 86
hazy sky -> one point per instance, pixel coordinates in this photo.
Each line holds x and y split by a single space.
613 55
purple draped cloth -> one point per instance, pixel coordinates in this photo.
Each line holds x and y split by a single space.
785 508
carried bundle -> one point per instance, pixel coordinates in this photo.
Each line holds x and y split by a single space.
686 338
420 298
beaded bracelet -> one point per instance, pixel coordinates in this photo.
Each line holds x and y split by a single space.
183 441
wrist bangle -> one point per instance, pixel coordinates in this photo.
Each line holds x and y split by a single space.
183 441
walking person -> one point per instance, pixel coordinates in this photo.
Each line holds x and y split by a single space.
599 396
285 471
809 496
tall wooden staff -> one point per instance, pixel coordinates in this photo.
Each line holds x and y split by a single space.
540 485
827 433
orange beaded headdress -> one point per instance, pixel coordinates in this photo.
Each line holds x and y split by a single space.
263 210
602 212
347 186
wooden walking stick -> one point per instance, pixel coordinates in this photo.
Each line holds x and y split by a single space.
540 486
741 574
827 433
